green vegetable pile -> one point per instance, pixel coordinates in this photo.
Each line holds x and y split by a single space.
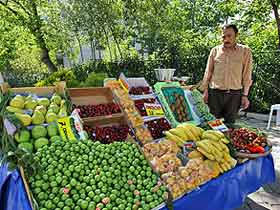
91 175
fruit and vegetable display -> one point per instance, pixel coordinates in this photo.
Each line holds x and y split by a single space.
34 110
90 175
247 141
108 134
157 127
201 109
140 105
97 110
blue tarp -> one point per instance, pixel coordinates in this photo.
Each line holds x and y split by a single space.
12 191
229 191
223 193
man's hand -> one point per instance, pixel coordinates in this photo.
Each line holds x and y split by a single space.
245 102
205 96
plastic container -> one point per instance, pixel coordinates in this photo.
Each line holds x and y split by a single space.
164 74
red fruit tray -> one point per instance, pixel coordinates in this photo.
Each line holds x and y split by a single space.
108 129
99 99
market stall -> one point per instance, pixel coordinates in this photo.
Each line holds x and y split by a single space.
125 146
226 192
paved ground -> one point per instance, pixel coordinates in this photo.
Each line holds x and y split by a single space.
268 197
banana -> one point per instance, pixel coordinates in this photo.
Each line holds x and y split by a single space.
217 145
207 135
225 140
222 145
174 138
204 146
219 134
192 132
201 131
206 154
179 132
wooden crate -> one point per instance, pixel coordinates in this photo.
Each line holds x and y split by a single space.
40 91
94 96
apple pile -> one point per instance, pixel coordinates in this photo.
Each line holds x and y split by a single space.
97 110
108 134
141 90
140 105
157 127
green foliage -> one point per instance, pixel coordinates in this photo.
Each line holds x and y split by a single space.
94 80
61 75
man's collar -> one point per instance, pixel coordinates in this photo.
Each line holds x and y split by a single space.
234 47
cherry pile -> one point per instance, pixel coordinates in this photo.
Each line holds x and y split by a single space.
97 110
243 140
139 90
140 105
157 127
108 134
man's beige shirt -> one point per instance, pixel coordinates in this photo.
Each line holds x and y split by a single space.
229 68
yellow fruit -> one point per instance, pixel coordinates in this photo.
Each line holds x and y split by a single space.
205 153
225 140
179 131
24 118
176 139
191 132
207 135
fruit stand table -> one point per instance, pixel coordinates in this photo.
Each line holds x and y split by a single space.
229 190
226 192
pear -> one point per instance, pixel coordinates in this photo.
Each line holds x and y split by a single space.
41 109
24 118
14 110
30 104
54 107
17 102
38 118
56 99
51 117
44 102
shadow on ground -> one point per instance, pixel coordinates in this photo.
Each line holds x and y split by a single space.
274 188
249 204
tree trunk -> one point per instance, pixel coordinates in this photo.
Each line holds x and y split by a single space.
117 42
108 42
37 32
277 18
81 49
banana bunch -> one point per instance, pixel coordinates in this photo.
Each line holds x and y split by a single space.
216 151
214 136
184 132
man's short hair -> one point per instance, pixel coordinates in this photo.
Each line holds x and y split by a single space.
234 27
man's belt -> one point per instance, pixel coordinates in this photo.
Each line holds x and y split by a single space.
225 91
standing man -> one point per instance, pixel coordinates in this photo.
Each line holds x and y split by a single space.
228 76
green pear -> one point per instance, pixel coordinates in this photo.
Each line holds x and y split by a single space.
54 107
30 104
44 102
56 99
17 102
38 118
51 117
41 109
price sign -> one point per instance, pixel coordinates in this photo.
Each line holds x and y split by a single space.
153 109
218 125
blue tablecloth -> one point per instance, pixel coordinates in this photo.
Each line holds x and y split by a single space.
230 190
223 193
